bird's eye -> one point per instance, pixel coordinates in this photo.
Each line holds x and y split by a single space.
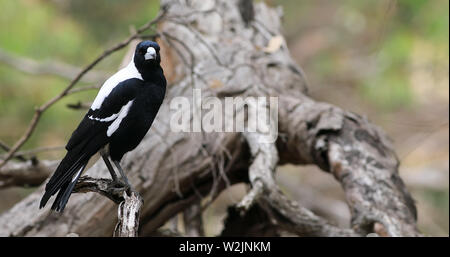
142 51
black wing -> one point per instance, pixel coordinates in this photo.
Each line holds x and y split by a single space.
97 121
86 140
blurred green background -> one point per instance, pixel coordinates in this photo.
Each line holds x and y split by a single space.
386 59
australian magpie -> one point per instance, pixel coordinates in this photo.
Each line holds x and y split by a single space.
117 121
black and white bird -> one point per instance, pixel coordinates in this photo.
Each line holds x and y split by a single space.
117 121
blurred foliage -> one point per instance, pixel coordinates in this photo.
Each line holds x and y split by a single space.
394 37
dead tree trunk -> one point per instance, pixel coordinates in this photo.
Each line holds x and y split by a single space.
227 49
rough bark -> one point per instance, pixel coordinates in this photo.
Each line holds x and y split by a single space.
129 215
27 173
220 48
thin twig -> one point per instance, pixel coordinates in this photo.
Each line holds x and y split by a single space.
48 67
5 147
81 89
21 154
79 106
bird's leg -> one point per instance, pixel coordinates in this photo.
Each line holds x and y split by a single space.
108 164
122 174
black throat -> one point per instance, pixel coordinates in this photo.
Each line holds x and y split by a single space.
151 71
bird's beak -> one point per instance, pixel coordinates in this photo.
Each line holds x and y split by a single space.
151 54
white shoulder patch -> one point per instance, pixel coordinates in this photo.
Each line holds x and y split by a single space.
128 72
116 123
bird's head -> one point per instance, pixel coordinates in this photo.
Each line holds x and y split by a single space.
147 55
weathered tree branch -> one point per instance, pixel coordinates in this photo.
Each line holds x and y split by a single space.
193 222
105 187
20 155
28 173
129 201
128 215
288 213
360 157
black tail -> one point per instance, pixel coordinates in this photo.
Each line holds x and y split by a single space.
65 192
86 140
64 179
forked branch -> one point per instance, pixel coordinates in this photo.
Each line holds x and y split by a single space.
129 201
